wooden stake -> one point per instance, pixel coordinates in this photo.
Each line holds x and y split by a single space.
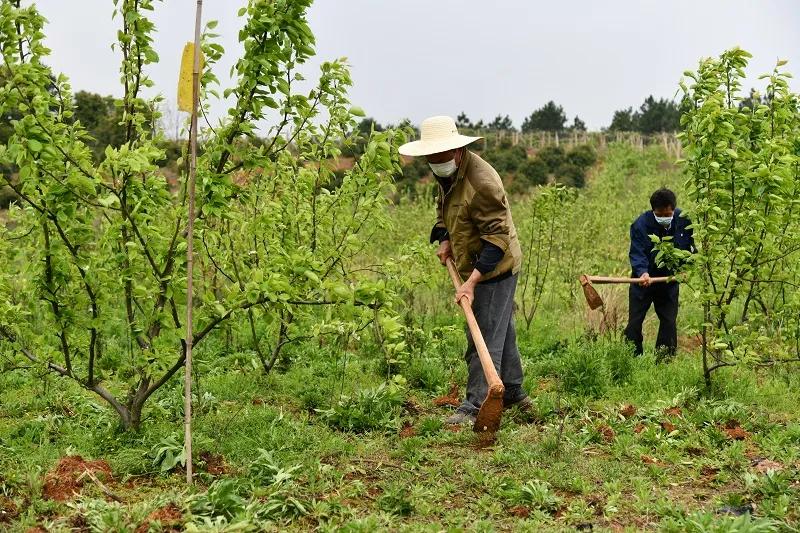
187 376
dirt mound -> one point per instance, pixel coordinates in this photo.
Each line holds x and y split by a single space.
520 511
667 426
169 517
213 463
646 459
70 475
407 431
606 433
734 431
628 411
761 465
452 398
8 510
412 407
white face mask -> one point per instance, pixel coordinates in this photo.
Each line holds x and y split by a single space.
664 221
444 170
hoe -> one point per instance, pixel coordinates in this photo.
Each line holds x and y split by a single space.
593 298
488 419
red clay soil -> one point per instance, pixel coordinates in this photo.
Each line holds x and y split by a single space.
734 431
763 466
694 451
407 431
412 407
69 476
652 461
708 473
597 502
607 432
690 343
169 517
673 411
452 397
78 522
484 440
669 427
213 463
628 411
520 511
8 510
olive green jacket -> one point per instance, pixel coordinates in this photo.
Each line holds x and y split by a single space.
476 208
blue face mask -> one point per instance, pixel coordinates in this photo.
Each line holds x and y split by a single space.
665 222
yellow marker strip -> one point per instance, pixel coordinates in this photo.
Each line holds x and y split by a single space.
185 78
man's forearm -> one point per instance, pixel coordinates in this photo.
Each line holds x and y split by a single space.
474 278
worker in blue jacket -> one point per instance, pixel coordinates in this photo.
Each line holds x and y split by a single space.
664 220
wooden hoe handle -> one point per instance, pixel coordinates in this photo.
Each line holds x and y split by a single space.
489 370
604 279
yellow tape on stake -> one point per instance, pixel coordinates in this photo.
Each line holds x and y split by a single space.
185 78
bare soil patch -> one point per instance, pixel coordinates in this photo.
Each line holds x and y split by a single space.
213 463
169 517
8 510
734 431
451 398
628 411
70 475
407 431
606 432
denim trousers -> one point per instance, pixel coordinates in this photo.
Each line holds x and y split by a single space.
493 307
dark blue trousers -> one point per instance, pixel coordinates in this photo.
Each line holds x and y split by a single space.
662 296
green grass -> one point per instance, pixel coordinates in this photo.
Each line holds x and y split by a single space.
341 440
650 470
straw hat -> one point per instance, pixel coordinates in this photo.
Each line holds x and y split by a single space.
437 134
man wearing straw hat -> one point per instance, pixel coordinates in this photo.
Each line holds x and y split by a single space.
475 229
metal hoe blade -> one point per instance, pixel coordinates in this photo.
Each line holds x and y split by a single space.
491 411
592 297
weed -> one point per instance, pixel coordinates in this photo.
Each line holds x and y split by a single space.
370 409
168 454
221 499
266 471
535 494
705 522
583 370
396 500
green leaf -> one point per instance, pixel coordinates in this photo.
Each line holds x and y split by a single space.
34 145
108 201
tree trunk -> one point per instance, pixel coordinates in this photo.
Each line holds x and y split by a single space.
706 369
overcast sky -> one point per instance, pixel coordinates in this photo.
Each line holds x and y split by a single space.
415 58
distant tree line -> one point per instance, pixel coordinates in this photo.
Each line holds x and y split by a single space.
550 117
653 116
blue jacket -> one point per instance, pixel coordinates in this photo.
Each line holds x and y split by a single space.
642 254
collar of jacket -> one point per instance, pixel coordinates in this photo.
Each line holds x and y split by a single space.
462 169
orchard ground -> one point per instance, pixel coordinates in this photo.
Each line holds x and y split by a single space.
338 436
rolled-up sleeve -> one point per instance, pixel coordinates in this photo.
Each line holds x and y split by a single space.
489 212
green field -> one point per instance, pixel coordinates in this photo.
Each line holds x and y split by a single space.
326 442
290 259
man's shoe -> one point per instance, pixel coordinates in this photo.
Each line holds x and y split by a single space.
460 417
524 405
